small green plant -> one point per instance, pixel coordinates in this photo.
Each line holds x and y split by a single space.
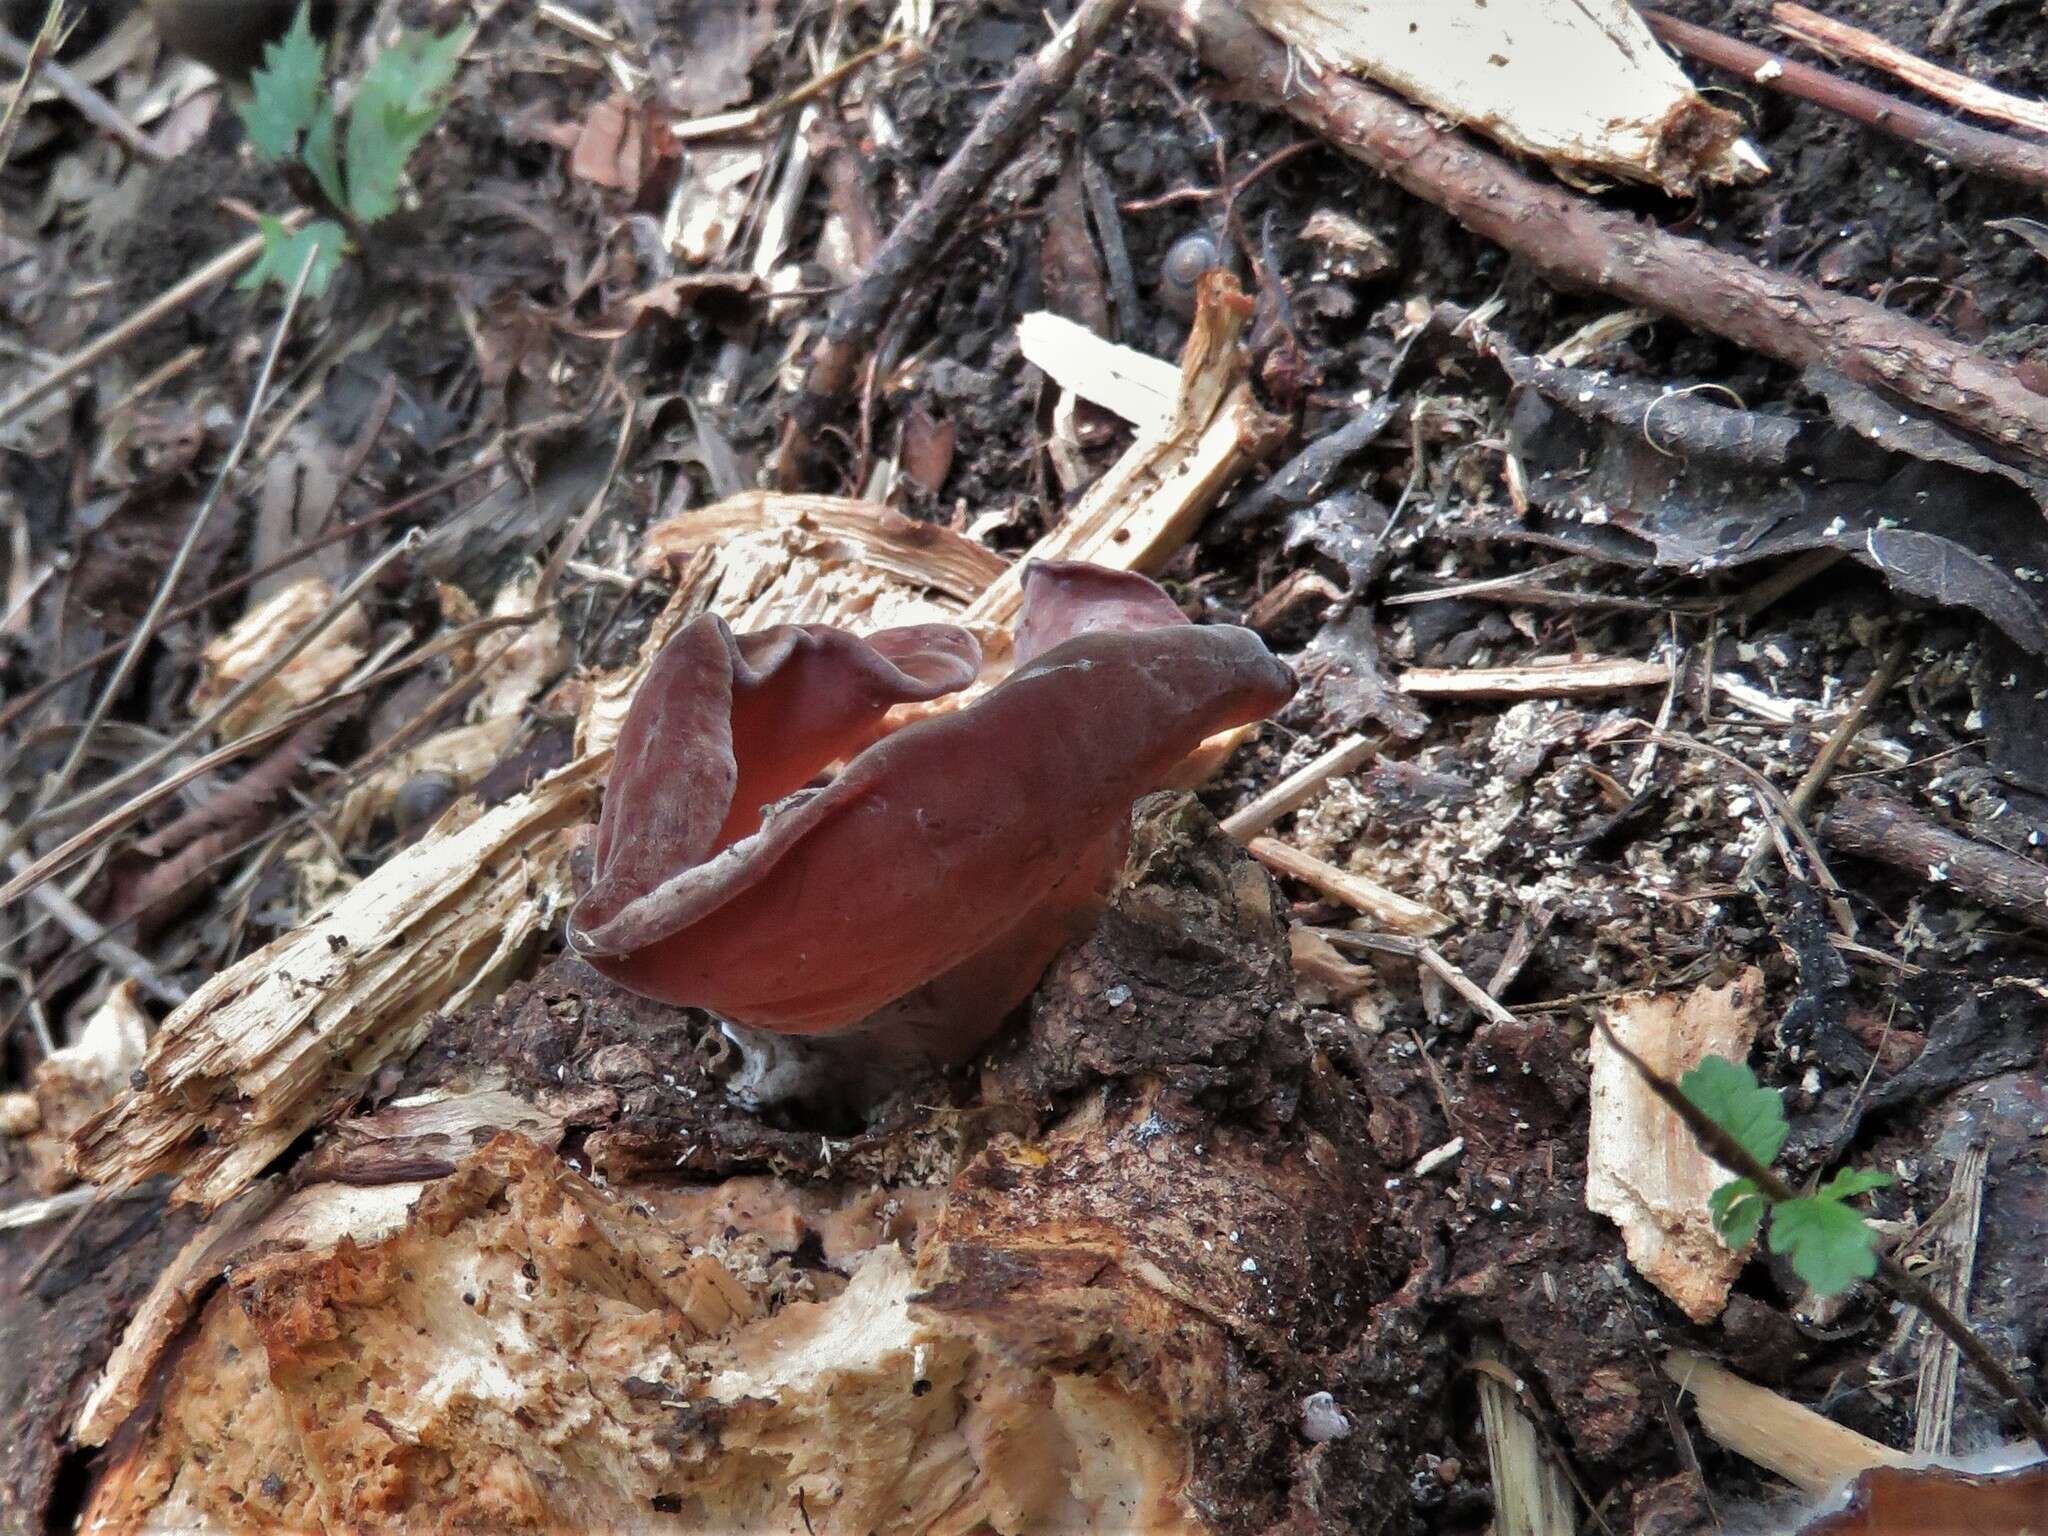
1830 1244
291 115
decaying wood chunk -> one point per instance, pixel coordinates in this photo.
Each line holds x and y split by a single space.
287 1036
1644 1170
260 635
1579 83
833 532
73 1084
1145 506
530 1351
1135 385
1809 1451
1078 1323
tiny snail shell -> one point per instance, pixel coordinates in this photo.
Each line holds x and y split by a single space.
1180 273
423 797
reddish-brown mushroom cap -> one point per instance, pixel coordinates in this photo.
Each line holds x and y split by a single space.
947 862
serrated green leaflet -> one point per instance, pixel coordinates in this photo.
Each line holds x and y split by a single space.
1727 1093
284 252
396 106
323 158
1738 1208
1851 1182
285 93
1831 1246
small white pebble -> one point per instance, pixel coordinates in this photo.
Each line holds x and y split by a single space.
1322 1420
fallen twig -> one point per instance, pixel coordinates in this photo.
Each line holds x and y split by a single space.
860 313
1298 788
15 708
1575 242
1432 959
118 335
1809 787
82 98
245 689
1877 826
1831 36
168 581
81 925
31 61
1547 679
1972 149
1389 908
81 843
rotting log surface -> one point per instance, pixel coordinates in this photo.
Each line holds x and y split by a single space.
1093 1295
1575 242
60 1330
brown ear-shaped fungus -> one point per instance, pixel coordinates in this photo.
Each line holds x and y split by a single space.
923 890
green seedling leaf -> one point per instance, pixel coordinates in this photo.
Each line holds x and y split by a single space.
1738 1209
286 92
1851 1182
323 157
1726 1092
1830 1244
397 106
284 252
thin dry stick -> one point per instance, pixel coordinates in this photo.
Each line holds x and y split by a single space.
1829 35
1427 955
161 598
1766 791
284 562
82 98
1809 787
1973 149
593 509
1383 906
746 119
1295 791
79 844
1731 1154
169 302
859 313
243 690
83 927
31 61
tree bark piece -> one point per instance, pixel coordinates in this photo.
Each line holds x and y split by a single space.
1576 243
1644 1171
1496 68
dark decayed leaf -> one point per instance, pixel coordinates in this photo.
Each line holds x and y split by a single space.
1642 476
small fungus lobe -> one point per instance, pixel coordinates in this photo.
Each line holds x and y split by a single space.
919 892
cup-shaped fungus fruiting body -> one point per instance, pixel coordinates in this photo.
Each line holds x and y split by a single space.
917 894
